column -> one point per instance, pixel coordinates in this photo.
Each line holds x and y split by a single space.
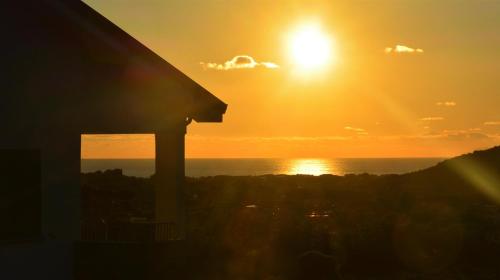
169 178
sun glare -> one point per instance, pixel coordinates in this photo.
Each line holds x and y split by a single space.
314 167
310 48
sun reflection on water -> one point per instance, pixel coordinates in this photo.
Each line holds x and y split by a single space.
308 167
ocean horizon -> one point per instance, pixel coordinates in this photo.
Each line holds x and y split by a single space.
202 167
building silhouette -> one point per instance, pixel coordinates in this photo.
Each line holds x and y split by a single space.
66 71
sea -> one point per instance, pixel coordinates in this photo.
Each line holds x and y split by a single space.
263 166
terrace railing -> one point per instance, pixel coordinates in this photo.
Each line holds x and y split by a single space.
129 232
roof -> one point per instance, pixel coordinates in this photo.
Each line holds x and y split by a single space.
200 104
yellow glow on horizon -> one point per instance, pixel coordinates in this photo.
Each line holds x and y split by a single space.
314 167
310 48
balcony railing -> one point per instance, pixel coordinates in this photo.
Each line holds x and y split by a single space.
130 232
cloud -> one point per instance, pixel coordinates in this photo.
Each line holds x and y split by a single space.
270 139
431 119
116 137
464 134
446 103
435 144
239 62
470 133
271 65
359 131
403 49
492 123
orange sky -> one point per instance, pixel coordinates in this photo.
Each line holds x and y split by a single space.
435 95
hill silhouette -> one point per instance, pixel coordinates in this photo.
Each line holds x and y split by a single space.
440 222
477 172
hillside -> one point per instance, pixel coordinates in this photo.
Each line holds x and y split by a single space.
441 222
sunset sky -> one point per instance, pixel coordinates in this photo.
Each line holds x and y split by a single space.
385 78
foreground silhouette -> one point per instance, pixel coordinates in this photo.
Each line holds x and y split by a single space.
441 222
69 71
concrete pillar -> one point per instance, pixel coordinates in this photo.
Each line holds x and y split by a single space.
169 178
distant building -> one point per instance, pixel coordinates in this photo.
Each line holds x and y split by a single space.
66 71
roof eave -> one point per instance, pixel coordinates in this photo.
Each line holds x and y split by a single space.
214 115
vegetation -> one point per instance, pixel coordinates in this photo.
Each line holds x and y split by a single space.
438 223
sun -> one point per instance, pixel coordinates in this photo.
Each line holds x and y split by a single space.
310 48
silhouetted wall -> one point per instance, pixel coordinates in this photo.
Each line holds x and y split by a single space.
20 210
66 71
132 261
